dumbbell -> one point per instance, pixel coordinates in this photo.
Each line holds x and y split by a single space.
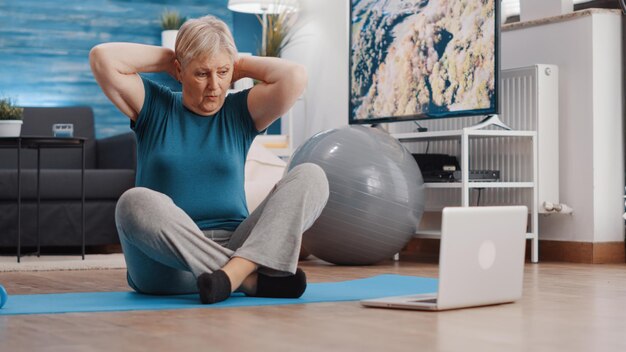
3 296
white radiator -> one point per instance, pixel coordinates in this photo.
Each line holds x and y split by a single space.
529 101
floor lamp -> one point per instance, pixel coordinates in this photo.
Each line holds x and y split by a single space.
263 8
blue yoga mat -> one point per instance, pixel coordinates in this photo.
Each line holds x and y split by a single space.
353 290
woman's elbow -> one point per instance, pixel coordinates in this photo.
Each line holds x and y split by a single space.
101 56
300 77
96 55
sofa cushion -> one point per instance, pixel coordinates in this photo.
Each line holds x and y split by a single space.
117 152
60 224
65 184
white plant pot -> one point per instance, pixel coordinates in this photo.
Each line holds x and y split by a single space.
536 9
168 38
10 128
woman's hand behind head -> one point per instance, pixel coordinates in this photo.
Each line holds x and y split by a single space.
237 72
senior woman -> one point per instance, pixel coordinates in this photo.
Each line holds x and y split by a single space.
185 227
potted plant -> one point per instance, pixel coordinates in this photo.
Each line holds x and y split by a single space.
10 118
170 23
279 33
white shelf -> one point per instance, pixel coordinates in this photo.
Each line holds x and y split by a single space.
465 185
479 184
428 234
436 234
501 184
446 135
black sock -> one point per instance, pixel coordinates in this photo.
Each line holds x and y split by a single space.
291 286
214 287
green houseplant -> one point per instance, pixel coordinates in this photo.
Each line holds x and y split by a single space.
279 32
171 20
170 23
10 118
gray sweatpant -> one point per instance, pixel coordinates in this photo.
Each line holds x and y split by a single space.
165 251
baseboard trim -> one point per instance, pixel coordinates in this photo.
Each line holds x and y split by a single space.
582 252
421 250
427 250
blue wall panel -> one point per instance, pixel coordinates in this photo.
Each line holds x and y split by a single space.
44 47
247 32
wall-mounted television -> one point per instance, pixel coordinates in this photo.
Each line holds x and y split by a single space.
423 59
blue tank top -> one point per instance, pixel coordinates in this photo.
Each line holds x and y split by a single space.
196 160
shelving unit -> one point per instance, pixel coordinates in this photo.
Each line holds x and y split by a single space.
464 136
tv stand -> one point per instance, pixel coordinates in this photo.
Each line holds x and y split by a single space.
490 120
465 185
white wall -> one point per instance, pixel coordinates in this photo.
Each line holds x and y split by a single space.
608 128
321 44
587 50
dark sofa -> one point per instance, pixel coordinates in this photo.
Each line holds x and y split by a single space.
110 165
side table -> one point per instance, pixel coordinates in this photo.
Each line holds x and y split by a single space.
42 142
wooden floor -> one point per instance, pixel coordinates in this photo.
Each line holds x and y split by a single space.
566 307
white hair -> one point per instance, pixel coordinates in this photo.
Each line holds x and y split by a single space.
204 36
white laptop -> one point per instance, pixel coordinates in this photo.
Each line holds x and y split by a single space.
481 260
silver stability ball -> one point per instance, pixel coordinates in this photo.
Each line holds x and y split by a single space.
376 195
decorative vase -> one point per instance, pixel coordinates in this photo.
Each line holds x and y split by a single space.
168 38
10 128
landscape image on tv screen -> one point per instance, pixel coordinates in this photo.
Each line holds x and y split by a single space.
412 59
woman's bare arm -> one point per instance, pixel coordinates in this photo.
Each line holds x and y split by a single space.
282 82
116 66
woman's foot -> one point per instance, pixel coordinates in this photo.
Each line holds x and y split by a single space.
213 287
292 286
217 286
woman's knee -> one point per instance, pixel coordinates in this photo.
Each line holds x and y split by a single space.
136 205
145 287
315 178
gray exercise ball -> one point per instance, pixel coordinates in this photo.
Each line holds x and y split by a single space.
376 195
